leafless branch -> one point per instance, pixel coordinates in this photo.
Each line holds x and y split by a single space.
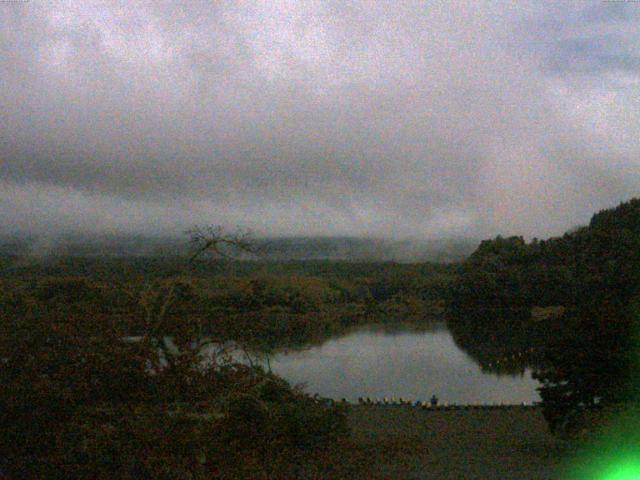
213 239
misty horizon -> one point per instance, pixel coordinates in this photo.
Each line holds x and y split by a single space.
41 247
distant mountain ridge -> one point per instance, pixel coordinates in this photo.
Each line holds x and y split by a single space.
277 249
351 248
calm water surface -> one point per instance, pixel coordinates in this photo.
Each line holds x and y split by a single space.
412 364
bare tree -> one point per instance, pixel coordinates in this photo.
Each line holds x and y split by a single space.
156 300
214 240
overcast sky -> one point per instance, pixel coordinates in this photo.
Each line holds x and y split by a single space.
389 119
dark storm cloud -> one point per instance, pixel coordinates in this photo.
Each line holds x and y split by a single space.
378 118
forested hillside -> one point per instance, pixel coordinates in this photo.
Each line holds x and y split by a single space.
568 302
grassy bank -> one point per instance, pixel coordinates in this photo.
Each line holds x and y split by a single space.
410 443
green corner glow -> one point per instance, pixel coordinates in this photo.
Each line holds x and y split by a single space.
623 471
612 454
605 464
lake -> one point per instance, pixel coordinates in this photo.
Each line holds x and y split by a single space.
414 364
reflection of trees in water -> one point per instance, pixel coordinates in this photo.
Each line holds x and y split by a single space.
399 328
499 343
316 338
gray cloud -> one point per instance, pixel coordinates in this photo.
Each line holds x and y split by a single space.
401 119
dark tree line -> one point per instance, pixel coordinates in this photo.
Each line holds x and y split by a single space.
81 399
587 352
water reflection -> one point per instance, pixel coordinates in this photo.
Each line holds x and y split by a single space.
411 363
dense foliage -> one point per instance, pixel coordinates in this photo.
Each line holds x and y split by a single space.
79 400
102 377
565 301
260 304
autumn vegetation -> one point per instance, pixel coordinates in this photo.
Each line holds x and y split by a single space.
102 372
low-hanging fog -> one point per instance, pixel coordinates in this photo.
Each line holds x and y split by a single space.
388 119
